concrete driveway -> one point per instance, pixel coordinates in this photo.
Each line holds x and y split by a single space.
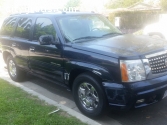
152 115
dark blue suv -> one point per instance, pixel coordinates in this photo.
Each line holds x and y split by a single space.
85 53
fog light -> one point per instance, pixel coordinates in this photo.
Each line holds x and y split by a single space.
140 101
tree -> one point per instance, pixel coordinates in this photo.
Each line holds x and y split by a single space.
163 4
73 3
121 3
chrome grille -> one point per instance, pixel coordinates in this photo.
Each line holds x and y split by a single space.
158 63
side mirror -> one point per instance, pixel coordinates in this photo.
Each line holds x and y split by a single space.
46 39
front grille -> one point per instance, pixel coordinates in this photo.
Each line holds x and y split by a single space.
158 63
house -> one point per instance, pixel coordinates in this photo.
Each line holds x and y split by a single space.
144 7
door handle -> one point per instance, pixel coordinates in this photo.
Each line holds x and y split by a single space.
32 49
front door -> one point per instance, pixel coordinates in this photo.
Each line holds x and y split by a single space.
45 60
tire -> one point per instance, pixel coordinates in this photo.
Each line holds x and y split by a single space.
14 72
97 96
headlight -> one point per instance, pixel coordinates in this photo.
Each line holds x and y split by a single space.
134 70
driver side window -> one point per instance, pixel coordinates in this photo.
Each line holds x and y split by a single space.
43 26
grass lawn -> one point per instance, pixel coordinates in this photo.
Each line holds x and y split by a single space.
19 108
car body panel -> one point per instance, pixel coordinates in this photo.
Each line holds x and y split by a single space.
126 96
93 62
123 45
46 60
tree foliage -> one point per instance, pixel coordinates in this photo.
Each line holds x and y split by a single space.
163 4
121 3
73 3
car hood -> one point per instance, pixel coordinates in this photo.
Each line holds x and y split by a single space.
123 45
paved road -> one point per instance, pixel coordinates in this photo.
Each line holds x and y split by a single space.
152 115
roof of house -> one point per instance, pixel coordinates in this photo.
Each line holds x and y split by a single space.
143 6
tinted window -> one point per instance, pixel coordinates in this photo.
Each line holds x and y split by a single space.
43 26
8 26
23 28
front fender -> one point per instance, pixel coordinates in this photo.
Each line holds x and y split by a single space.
98 70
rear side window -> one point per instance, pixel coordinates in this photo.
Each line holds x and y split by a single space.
8 26
43 26
23 28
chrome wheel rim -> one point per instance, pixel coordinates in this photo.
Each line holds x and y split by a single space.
88 96
12 68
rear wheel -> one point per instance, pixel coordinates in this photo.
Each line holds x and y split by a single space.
14 72
89 95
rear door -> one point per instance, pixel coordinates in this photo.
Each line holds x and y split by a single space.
6 34
21 40
45 60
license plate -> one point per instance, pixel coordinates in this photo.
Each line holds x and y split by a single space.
165 94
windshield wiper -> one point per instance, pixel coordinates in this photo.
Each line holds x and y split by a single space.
112 34
87 37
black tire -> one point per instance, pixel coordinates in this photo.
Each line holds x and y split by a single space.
19 75
95 82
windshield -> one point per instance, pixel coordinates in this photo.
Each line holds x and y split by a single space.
81 27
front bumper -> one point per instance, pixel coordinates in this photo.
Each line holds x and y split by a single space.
134 95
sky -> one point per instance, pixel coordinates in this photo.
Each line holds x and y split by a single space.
20 6
14 6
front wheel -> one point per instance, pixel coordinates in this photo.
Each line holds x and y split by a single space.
14 72
89 95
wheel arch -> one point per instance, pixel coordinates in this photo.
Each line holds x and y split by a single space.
5 55
81 67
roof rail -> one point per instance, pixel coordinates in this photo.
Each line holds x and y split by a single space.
26 13
46 12
17 14
40 12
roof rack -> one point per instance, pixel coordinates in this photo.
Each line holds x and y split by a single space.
40 12
47 12
26 13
